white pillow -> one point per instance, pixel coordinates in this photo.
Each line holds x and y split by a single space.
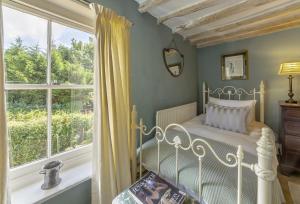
227 118
237 104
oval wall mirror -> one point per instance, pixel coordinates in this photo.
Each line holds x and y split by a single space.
174 61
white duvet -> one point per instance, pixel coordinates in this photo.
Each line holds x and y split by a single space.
197 126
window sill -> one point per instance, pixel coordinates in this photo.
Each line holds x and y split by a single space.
70 178
27 174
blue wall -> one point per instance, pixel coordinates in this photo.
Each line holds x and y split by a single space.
153 88
265 55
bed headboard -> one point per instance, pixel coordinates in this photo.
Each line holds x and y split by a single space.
176 114
231 93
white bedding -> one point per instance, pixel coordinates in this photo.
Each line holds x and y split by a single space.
248 141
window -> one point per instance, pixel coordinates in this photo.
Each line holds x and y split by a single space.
49 87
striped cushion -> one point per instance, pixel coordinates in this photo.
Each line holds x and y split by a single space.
237 104
227 118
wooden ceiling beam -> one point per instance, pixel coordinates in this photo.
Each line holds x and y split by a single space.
291 16
254 26
272 13
148 4
253 33
189 9
236 8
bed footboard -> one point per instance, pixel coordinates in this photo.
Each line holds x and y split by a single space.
263 169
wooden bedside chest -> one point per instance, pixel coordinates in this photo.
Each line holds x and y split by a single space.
290 138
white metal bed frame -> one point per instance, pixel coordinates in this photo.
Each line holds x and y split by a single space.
265 146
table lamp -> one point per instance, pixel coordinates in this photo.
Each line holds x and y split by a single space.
290 68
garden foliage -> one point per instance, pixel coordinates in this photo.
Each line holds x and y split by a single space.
71 114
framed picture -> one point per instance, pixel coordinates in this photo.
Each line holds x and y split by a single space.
235 66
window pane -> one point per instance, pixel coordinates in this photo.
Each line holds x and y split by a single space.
72 119
71 56
27 126
25 47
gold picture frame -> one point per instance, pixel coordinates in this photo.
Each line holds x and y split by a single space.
235 66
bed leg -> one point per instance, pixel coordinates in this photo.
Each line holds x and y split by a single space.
200 178
133 144
158 158
240 157
177 175
264 169
262 101
177 143
203 97
141 147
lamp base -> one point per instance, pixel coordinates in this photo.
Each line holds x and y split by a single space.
291 101
291 94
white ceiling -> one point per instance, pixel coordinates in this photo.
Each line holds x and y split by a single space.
245 18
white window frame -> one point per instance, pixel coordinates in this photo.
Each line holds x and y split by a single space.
25 174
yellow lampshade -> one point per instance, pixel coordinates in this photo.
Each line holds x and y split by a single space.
289 68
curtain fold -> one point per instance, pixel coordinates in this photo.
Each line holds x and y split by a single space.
4 166
112 143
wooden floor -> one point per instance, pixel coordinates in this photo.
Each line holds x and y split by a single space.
295 178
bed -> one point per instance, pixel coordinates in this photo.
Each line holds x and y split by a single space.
213 164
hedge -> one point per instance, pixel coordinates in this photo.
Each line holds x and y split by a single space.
28 134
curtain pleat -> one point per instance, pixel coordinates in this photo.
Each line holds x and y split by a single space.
112 143
4 165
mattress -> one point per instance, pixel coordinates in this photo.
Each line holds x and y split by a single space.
219 183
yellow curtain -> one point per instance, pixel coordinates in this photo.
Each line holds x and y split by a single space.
111 159
3 136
